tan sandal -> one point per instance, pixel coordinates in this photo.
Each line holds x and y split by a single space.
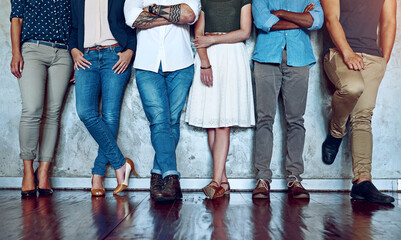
213 191
228 189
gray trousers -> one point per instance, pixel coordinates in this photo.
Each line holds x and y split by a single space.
44 81
292 83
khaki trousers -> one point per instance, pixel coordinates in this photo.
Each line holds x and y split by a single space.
43 84
355 98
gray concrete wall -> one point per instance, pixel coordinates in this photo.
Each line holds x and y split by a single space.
77 150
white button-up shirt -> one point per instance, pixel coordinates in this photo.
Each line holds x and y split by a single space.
168 45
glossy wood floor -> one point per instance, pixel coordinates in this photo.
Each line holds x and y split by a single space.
76 215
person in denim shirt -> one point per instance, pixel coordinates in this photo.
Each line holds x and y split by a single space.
282 57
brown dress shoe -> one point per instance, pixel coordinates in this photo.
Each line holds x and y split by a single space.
262 189
171 189
296 190
156 185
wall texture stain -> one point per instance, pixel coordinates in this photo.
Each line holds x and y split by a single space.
76 148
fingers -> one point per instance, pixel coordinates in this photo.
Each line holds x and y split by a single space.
310 7
207 77
16 69
81 62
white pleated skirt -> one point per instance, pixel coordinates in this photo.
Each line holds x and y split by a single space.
229 102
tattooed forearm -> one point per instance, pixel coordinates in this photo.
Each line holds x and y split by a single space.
171 13
147 20
175 13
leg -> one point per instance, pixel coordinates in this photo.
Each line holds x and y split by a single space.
268 79
178 84
361 117
153 91
350 86
59 74
294 92
113 87
87 89
32 88
220 152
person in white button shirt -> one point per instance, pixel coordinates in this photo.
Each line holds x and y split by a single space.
164 72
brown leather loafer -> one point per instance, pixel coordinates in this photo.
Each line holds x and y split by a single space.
262 189
296 190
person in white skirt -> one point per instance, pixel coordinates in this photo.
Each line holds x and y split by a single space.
221 93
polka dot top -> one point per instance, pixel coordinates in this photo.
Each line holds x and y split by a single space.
47 20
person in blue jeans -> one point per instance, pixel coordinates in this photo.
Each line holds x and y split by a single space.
102 48
164 73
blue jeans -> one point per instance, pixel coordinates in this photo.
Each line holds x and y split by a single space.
163 96
89 83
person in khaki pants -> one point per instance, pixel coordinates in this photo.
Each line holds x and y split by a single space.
355 64
43 66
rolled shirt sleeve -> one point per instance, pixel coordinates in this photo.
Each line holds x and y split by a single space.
132 10
17 9
263 19
317 15
195 5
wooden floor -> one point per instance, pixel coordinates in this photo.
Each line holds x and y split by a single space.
76 215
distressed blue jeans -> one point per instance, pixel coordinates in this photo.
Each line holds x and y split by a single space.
89 84
163 96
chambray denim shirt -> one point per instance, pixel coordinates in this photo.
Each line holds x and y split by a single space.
48 20
270 44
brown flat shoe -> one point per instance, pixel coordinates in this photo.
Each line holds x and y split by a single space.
296 190
228 189
262 189
213 191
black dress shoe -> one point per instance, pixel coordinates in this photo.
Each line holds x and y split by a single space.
45 192
171 190
330 149
29 193
367 191
156 185
42 192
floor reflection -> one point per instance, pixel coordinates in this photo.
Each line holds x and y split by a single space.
39 218
293 218
362 213
133 215
218 208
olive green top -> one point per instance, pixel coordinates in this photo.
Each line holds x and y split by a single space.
222 15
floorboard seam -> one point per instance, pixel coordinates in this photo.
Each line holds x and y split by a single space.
123 219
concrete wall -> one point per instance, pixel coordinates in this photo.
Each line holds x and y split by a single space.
77 150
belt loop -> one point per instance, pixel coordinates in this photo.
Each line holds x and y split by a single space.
37 43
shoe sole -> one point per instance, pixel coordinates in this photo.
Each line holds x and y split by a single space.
301 196
208 191
260 196
357 197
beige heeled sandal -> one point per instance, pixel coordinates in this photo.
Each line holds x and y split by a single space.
128 168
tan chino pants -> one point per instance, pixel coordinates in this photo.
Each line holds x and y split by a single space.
355 98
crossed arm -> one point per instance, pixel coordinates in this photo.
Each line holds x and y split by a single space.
292 20
157 15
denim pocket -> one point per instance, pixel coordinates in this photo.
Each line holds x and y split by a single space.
116 49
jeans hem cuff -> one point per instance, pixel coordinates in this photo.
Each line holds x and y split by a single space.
171 172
